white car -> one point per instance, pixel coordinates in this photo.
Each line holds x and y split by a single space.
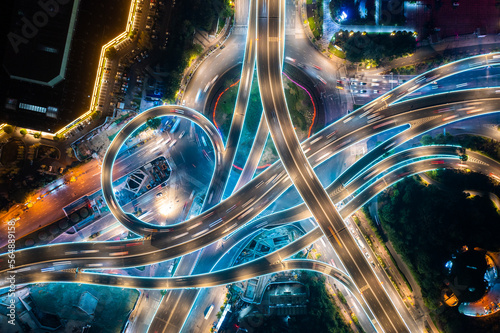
182 134
172 143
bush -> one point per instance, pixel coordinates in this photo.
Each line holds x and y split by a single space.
8 129
23 132
37 135
153 123
360 46
111 53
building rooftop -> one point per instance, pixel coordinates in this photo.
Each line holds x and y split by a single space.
39 41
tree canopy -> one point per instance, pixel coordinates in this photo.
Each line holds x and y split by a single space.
153 123
359 46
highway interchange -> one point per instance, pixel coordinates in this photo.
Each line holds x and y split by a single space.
294 168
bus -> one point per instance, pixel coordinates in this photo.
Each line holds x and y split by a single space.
208 311
174 127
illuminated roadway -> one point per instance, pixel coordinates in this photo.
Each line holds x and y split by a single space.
269 67
283 177
268 264
240 108
265 189
129 220
215 279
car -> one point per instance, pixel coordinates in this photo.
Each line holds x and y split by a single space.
317 67
362 91
182 134
362 83
354 83
173 143
376 91
94 235
159 194
50 168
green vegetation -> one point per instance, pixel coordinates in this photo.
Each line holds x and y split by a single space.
341 297
489 147
405 70
336 52
8 129
153 123
359 46
323 315
299 103
96 114
226 104
446 218
379 233
37 135
59 137
23 131
144 42
316 20
189 15
132 34
111 53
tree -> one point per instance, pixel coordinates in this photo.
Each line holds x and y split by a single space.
37 135
144 41
426 140
153 123
8 129
132 34
96 114
464 158
111 53
23 131
69 152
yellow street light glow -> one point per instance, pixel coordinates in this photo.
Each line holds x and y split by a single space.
165 210
102 63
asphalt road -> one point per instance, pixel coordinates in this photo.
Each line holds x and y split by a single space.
271 39
406 91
